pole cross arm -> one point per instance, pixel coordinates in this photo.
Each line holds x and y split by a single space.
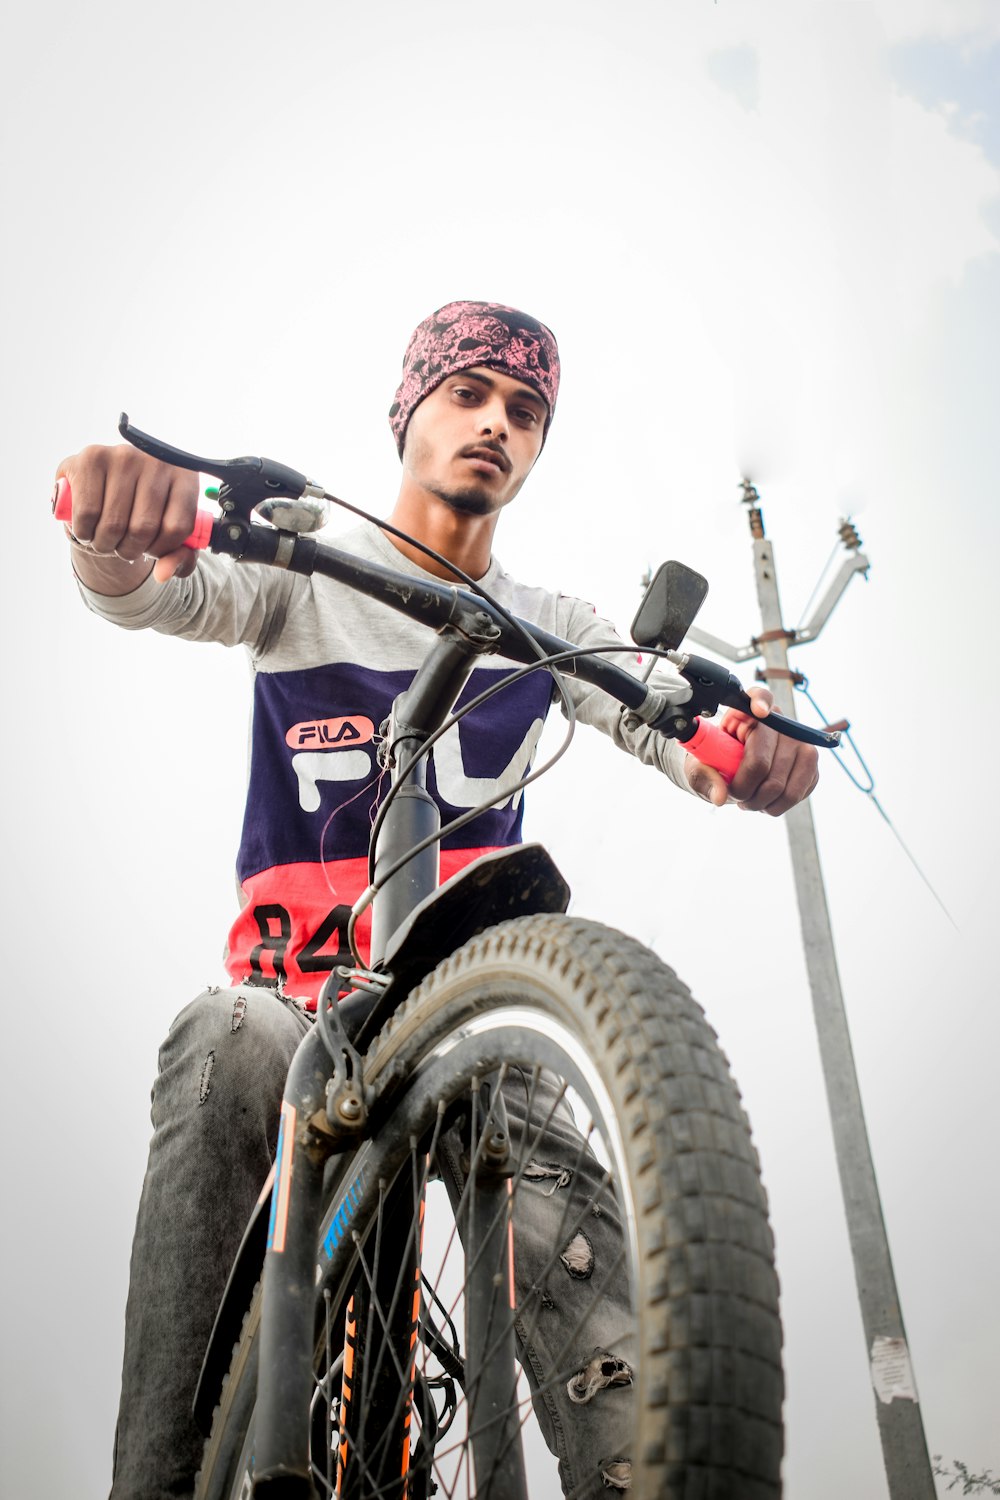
721 647
857 562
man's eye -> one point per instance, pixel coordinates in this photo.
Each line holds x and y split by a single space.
463 390
526 414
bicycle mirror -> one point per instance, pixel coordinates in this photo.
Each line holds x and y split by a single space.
669 606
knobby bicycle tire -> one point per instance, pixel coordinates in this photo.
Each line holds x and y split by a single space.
534 998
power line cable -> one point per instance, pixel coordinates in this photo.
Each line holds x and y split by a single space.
804 615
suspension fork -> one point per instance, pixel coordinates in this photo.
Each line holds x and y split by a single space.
380 1337
286 1382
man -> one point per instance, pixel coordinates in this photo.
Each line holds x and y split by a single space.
470 417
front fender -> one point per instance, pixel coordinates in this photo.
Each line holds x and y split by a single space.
518 882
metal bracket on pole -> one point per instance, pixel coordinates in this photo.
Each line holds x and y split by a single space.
904 1446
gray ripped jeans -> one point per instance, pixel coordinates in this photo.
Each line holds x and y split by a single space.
215 1110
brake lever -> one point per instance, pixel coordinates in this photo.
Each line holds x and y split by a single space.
793 730
713 685
244 482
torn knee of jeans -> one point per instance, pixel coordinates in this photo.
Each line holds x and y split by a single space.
548 1171
239 1011
205 1087
578 1257
617 1474
603 1370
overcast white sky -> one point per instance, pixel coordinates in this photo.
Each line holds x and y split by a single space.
766 236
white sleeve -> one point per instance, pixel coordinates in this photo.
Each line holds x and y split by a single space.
579 624
232 604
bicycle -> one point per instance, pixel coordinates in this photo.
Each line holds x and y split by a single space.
493 1075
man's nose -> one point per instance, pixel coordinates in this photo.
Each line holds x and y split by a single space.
493 419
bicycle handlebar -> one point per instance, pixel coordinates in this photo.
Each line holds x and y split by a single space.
247 481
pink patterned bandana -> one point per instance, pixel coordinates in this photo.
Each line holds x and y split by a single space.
464 334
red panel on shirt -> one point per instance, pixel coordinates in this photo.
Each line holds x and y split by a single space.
294 923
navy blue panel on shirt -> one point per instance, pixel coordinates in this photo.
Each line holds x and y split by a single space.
313 750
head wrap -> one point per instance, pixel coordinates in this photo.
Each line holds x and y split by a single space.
464 334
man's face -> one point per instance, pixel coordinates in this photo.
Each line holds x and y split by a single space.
473 440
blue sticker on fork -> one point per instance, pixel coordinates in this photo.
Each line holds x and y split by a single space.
344 1214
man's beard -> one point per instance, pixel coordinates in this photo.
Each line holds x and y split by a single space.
469 501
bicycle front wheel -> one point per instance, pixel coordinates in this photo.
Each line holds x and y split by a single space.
642 1304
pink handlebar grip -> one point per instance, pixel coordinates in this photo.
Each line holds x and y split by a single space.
714 747
62 509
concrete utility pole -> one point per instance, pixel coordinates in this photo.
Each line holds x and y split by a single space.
904 1446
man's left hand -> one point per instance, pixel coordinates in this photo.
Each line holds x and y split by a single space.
775 773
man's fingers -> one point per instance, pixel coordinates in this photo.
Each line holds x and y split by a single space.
759 750
761 700
86 474
177 516
771 770
802 778
129 504
763 776
122 475
780 783
150 489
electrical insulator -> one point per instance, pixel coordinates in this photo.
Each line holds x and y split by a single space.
751 498
849 534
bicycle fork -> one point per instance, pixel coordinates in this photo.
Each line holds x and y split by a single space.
380 1338
286 1384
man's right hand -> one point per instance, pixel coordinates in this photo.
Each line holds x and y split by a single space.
131 514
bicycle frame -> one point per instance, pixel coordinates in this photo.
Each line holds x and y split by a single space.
311 1126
